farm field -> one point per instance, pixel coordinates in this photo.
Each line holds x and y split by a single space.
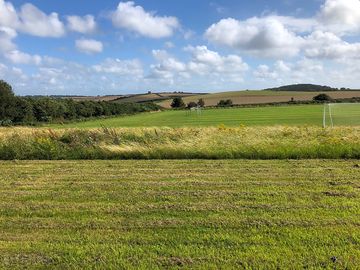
263 116
169 214
258 97
150 97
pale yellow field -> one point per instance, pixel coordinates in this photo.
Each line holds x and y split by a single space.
261 97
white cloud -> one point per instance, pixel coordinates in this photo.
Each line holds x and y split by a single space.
83 25
89 46
31 20
6 39
120 67
340 16
211 61
37 23
260 36
136 19
8 13
264 72
282 37
18 57
204 63
327 45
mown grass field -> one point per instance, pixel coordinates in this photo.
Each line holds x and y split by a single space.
171 214
257 116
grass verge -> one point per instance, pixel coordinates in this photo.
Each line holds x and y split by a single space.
181 143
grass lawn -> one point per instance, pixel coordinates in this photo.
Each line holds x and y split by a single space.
167 214
282 115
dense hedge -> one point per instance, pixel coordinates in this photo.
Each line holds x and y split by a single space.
14 109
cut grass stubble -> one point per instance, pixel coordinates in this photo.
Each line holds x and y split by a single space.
201 214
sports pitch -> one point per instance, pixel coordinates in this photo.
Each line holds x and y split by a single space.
264 116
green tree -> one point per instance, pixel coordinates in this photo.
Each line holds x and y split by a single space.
201 103
225 103
177 103
7 101
192 104
322 98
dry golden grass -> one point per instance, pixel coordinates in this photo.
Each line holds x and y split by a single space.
261 97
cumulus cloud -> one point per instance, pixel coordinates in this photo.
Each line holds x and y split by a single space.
136 19
286 36
120 67
37 23
340 16
6 39
18 57
8 13
89 46
327 45
31 20
265 37
85 25
204 63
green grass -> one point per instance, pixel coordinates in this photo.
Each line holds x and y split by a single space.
171 214
265 116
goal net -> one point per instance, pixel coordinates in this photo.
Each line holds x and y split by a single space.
341 114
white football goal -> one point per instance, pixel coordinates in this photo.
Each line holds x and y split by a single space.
341 114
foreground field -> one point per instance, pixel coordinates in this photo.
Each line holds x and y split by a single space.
259 116
280 142
170 214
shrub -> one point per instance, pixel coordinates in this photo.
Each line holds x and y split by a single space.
201 103
192 104
177 103
322 98
225 103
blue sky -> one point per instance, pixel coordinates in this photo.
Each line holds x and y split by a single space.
116 47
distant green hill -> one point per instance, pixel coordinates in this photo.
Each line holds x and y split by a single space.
305 88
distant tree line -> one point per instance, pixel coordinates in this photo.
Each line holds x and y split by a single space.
307 88
15 109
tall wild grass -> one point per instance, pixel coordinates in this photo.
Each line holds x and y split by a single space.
181 143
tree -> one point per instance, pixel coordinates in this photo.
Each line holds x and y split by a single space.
201 103
177 103
225 103
7 101
322 98
192 104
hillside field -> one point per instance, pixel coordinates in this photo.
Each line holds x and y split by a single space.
171 214
264 116
259 97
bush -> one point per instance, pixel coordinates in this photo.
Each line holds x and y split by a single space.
201 103
192 104
322 98
225 103
177 103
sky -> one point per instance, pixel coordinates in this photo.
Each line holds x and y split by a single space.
83 47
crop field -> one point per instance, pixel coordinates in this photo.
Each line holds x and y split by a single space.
158 97
258 97
256 116
170 214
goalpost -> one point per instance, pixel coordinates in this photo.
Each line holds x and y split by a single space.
341 114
